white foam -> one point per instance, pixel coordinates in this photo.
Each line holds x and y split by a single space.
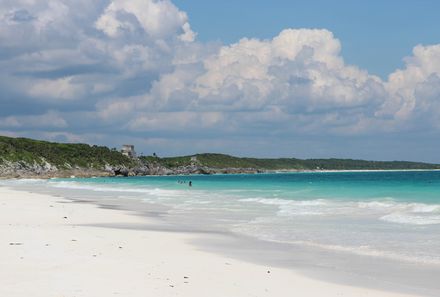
424 208
277 201
261 228
406 213
411 219
111 188
379 205
22 181
386 210
401 206
292 208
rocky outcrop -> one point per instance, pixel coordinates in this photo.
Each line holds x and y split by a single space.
43 169
23 169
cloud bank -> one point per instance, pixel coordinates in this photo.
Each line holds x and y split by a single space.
113 71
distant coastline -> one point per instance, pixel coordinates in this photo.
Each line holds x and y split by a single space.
351 170
28 158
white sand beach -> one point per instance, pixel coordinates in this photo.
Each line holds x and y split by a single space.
48 247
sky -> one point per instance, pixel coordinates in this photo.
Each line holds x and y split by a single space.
306 79
376 35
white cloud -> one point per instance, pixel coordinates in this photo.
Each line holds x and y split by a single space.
188 35
299 69
135 66
159 19
59 89
407 87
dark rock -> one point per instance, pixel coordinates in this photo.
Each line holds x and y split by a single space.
121 171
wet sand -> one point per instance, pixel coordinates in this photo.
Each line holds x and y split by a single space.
51 246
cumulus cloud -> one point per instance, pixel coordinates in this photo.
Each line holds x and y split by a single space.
135 68
299 74
159 19
414 91
299 69
66 49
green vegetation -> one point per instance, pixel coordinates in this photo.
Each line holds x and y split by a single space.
60 154
172 162
349 164
65 156
226 161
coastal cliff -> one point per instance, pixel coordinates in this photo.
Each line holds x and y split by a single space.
44 169
28 158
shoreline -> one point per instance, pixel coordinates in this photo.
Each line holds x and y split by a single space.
94 174
74 231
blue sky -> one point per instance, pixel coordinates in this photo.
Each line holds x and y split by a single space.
307 79
375 34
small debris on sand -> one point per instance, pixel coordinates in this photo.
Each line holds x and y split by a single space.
15 243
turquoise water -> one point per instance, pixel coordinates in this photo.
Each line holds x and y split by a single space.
394 215
408 186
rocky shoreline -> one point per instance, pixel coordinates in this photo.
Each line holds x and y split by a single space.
21 169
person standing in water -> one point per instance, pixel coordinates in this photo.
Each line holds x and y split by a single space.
190 183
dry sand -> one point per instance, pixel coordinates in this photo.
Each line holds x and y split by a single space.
47 248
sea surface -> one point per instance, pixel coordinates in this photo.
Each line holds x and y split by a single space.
392 215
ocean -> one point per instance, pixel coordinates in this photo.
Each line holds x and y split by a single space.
382 214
